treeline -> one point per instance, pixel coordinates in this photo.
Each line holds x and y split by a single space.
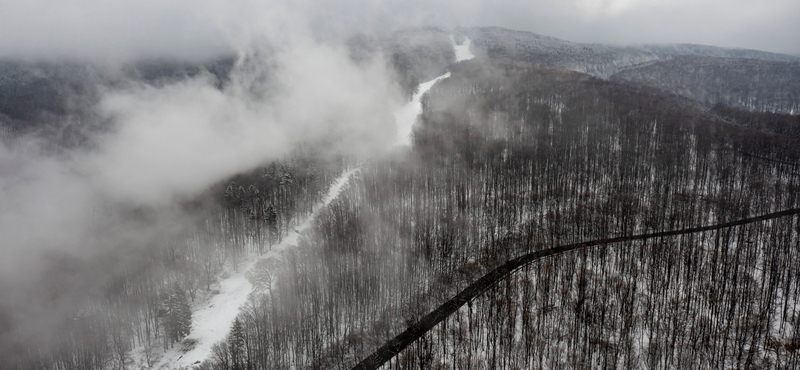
146 301
509 159
545 51
751 84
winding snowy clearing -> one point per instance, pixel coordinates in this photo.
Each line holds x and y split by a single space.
406 116
212 318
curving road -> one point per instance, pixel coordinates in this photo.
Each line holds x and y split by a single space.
414 332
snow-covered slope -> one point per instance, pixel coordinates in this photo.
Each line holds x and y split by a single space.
212 318
595 59
406 116
211 321
462 51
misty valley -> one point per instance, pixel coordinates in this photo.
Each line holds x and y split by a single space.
430 198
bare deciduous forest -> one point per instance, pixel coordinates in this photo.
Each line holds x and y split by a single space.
512 155
510 159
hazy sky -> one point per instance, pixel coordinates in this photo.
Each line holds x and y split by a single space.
124 29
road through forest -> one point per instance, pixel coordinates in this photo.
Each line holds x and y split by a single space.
414 332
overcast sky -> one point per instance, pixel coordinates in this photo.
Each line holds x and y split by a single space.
124 29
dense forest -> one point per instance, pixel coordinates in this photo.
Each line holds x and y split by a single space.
749 84
523 149
147 302
509 159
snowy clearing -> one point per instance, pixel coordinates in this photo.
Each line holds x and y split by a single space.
406 116
212 318
462 51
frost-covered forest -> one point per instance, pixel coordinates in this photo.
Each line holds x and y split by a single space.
509 159
147 304
749 84
534 144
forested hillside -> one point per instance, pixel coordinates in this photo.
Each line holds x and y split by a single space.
594 59
750 84
146 300
537 143
740 78
511 158
415 56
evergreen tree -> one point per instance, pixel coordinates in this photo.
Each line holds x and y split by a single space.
272 224
178 321
236 345
313 186
233 196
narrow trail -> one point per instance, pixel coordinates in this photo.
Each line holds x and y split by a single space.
414 332
212 318
407 115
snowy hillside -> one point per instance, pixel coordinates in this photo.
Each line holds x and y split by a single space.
212 318
595 59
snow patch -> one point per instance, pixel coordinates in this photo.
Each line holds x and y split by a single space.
406 116
462 51
212 319
211 322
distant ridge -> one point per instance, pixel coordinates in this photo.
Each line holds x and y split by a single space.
715 51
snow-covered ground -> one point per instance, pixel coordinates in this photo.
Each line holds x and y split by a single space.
462 51
212 318
406 116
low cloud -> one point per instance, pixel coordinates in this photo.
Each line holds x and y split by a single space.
169 142
181 138
118 31
172 142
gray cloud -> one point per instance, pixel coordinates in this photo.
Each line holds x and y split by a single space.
171 142
181 138
107 31
123 30
764 25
